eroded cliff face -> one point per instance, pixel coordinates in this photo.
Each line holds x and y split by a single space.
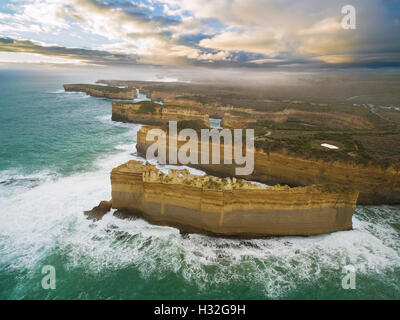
376 185
152 113
102 91
228 207
215 110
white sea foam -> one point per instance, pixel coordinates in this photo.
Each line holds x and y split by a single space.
34 222
105 119
141 97
57 91
79 95
13 180
133 128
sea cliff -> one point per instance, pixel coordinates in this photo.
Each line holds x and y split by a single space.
228 207
102 91
237 117
377 185
148 112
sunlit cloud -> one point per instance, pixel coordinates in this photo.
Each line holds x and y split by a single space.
268 42
74 55
334 58
326 27
176 32
35 58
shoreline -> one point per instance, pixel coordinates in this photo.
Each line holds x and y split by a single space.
51 215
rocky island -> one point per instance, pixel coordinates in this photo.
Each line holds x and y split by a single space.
229 207
102 91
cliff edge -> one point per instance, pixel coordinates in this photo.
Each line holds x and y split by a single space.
229 207
102 91
147 112
377 185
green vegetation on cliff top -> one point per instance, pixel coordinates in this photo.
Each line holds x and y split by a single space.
305 141
110 89
196 125
148 107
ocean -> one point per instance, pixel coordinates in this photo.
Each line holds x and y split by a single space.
56 153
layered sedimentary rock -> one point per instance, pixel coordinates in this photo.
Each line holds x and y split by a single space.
228 207
215 110
102 91
238 115
99 211
147 112
327 119
377 185
231 119
234 117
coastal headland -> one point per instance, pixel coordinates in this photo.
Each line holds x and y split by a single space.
102 91
148 112
327 154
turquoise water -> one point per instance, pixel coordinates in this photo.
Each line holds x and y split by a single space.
57 150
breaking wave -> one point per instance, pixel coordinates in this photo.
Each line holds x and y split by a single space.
42 216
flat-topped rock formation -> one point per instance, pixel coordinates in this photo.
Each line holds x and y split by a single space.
241 119
377 185
289 135
147 112
228 207
279 102
102 91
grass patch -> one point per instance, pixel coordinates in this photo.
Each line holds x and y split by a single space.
97 87
148 107
196 125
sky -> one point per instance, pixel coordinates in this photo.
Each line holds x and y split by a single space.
213 33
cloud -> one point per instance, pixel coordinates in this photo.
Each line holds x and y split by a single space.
71 55
261 41
226 32
36 16
35 58
304 31
323 27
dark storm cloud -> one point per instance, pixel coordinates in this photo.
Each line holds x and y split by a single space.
86 55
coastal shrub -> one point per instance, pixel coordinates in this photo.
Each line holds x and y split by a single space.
197 98
239 113
196 125
309 147
270 125
148 107
100 88
333 187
